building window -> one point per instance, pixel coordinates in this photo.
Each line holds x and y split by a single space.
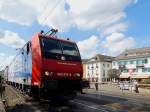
131 62
114 63
139 62
125 71
103 65
96 65
92 67
103 73
124 62
119 63
146 70
108 65
145 61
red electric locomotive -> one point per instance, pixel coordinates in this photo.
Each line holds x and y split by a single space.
47 66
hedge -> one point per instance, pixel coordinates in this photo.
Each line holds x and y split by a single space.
147 81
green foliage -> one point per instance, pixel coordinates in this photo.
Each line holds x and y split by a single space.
113 73
147 81
1 77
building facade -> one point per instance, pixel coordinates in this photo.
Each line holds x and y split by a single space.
133 63
96 68
84 68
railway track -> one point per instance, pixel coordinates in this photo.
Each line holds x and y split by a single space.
70 106
82 103
33 105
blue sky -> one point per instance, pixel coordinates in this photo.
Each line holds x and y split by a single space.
139 17
101 26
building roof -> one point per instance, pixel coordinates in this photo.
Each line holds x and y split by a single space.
134 53
85 60
99 58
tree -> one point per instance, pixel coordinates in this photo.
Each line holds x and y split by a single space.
1 76
0 79
113 74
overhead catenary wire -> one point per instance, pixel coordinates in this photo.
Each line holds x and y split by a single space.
51 11
45 6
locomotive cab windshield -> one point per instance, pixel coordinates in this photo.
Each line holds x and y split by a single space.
55 49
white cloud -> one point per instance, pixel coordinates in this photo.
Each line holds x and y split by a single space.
112 45
11 39
106 15
97 13
117 43
19 12
5 59
56 16
89 47
25 12
2 54
94 13
120 27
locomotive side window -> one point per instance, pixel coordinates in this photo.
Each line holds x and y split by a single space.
28 48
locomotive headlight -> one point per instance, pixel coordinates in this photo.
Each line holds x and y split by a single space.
77 74
47 73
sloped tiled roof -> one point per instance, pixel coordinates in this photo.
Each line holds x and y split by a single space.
134 53
99 58
85 60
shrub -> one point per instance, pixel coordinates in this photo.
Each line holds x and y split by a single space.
147 81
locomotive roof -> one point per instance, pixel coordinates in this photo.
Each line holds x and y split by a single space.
56 38
43 36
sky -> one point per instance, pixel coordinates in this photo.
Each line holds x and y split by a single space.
97 26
